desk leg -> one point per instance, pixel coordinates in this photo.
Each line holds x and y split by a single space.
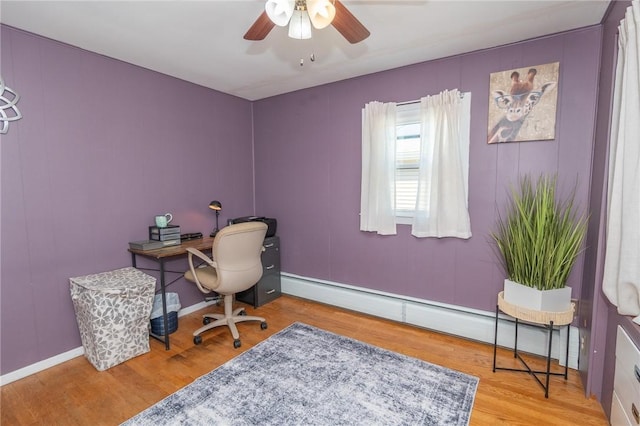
163 291
133 260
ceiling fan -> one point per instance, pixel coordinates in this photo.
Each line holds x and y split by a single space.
301 14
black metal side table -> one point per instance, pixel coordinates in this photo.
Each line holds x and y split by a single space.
547 320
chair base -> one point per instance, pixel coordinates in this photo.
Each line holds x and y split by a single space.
230 318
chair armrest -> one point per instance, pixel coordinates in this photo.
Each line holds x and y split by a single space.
195 252
201 255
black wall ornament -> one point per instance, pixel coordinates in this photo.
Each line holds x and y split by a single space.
8 110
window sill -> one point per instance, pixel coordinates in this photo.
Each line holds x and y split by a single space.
404 220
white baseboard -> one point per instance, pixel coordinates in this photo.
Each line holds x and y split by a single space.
456 320
39 366
73 353
193 308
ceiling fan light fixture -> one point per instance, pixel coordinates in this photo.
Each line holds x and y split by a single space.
279 11
300 25
321 12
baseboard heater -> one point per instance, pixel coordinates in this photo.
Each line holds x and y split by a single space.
450 319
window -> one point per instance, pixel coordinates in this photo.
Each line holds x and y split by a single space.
407 158
415 165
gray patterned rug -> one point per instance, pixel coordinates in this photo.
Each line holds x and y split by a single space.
303 375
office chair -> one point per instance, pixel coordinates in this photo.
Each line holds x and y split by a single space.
236 266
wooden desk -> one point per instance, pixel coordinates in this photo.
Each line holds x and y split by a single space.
160 256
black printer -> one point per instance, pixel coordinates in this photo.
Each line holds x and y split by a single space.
272 224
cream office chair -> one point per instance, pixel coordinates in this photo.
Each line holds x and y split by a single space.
235 267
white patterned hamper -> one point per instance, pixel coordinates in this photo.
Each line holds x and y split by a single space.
112 310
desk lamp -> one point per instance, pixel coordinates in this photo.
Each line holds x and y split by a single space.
217 206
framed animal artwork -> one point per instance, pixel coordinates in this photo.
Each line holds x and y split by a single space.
523 103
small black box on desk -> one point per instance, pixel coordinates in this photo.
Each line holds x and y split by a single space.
171 232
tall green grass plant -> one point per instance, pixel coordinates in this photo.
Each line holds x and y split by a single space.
540 238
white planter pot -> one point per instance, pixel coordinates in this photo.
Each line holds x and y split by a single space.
557 300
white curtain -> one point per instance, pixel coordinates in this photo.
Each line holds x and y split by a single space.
442 201
621 283
378 191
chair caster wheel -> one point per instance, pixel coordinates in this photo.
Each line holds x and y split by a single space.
263 325
197 340
206 320
237 343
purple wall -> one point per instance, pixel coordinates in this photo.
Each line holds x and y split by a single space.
598 317
307 146
102 147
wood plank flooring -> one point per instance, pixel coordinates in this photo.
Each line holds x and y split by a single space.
74 393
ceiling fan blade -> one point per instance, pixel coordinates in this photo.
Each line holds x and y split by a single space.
260 28
348 25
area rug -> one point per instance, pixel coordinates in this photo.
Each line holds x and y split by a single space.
303 375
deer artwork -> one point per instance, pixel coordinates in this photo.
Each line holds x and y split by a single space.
517 104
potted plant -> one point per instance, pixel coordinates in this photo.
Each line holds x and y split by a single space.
539 240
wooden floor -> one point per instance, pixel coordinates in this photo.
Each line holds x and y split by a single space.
74 393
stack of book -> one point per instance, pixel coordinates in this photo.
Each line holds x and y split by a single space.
159 238
152 244
169 233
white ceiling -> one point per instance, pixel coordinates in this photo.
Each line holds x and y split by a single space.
201 41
